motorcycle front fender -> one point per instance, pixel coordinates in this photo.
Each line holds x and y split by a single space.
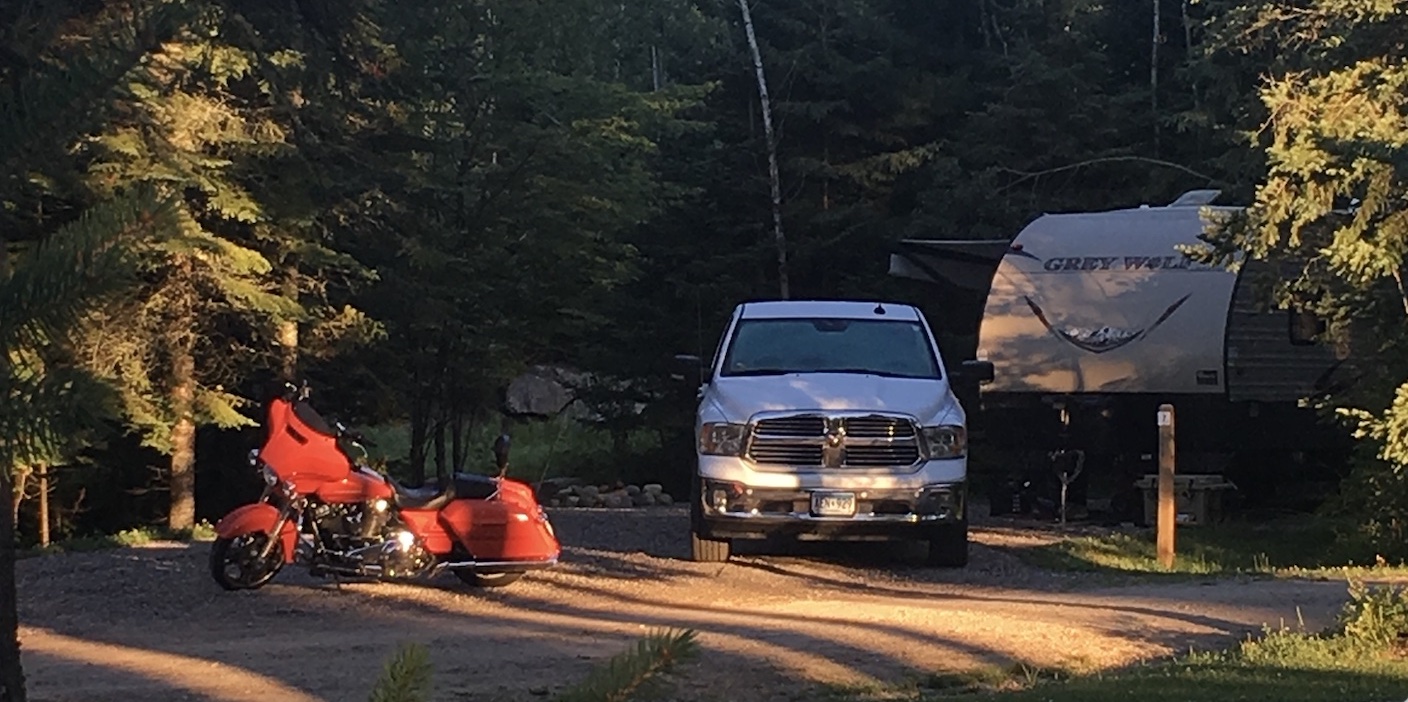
258 517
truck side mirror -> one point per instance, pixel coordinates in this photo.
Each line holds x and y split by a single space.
978 371
691 368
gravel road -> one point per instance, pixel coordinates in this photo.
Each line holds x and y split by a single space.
149 624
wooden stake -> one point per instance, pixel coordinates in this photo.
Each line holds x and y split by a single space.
1167 509
43 506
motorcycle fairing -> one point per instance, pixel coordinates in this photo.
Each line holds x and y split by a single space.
302 449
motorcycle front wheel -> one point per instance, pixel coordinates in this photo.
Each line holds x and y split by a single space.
235 563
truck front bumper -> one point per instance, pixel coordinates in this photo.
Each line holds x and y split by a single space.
841 508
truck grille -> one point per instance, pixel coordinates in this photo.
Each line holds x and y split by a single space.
865 441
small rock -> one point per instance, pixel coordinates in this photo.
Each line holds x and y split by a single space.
654 488
617 499
555 502
643 499
573 500
632 490
664 499
588 491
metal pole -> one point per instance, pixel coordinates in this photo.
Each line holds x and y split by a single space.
1167 511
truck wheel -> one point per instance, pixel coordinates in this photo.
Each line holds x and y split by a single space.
705 550
948 547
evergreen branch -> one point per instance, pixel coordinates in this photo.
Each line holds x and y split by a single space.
55 284
1028 175
406 677
58 279
633 669
47 109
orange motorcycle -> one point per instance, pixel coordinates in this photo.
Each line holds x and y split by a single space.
328 511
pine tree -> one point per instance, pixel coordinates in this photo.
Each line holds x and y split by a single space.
1331 203
45 106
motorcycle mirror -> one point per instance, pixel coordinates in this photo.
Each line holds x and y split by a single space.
501 446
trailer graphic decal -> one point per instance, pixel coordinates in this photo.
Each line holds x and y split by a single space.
1103 339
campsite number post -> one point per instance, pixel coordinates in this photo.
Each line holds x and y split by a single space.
1167 513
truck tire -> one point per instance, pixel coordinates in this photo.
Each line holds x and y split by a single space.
704 550
948 546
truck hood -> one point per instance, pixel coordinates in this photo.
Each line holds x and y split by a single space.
739 399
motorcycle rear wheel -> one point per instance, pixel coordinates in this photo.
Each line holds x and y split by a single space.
473 579
242 552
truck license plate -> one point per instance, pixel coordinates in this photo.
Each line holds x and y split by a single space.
834 504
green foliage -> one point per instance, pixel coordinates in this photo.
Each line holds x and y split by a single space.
1376 616
406 676
633 671
47 296
1304 545
1330 204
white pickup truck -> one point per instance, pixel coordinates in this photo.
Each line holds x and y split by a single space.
833 421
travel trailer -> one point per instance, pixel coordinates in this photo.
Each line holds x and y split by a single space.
1093 319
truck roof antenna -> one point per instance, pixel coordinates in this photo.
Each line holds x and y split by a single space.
879 308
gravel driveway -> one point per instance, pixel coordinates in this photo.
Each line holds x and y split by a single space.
148 623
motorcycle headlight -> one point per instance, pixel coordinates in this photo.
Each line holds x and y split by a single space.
947 441
722 439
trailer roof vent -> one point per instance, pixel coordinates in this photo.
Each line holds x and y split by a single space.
1196 198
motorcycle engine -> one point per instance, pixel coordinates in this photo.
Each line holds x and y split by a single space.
402 555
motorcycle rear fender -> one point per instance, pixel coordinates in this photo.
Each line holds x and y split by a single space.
258 517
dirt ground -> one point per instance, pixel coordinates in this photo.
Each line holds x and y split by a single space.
149 624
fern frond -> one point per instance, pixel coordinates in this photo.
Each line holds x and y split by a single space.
633 670
406 677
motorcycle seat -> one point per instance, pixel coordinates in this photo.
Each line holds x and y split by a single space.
429 496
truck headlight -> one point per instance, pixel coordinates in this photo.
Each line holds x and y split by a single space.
722 439
947 441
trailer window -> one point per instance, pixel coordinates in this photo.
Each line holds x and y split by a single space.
1305 326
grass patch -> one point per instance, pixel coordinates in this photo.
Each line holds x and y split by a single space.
1305 547
203 531
555 447
1362 658
1285 666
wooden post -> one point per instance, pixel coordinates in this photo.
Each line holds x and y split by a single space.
1168 514
43 505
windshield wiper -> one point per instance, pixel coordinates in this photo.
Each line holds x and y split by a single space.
867 371
760 371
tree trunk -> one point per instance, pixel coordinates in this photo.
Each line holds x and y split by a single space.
288 328
11 671
457 437
420 419
440 460
43 475
183 440
773 179
1154 77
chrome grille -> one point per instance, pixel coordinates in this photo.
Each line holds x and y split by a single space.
806 440
802 426
878 428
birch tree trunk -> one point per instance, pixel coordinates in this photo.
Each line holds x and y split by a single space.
1154 77
774 181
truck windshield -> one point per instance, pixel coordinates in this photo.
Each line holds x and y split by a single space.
778 346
